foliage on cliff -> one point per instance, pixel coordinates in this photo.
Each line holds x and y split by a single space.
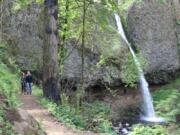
9 89
9 82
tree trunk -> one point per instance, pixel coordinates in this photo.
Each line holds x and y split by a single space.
1 20
66 22
83 43
62 50
50 51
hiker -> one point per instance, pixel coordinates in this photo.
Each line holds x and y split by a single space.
29 80
23 83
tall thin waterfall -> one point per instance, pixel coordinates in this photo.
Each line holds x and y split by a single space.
148 108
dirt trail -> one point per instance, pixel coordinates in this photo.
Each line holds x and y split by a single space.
49 123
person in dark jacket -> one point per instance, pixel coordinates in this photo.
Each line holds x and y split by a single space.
29 81
23 83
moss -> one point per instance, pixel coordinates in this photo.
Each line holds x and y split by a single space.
124 7
166 101
162 1
178 22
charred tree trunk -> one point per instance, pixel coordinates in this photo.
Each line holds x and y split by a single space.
50 51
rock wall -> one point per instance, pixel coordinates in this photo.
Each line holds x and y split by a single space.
94 75
176 5
152 26
23 33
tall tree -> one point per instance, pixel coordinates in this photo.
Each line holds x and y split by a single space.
50 51
1 18
83 42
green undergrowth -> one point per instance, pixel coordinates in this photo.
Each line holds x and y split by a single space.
166 100
6 127
94 116
167 104
9 89
9 78
140 129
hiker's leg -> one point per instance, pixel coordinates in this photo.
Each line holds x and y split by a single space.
21 88
27 88
30 88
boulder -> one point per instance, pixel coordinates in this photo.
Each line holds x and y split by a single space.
24 123
175 4
95 76
151 27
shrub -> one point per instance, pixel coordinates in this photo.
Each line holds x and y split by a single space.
129 71
140 129
9 87
9 82
166 103
98 117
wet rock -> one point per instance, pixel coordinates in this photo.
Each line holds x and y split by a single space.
124 131
123 128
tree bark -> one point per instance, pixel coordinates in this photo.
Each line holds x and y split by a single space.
1 22
66 22
50 51
83 43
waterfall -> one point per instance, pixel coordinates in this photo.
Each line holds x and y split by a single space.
148 108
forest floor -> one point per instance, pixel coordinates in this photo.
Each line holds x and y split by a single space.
49 123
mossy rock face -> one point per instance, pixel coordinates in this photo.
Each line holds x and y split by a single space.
151 29
93 74
162 77
23 33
